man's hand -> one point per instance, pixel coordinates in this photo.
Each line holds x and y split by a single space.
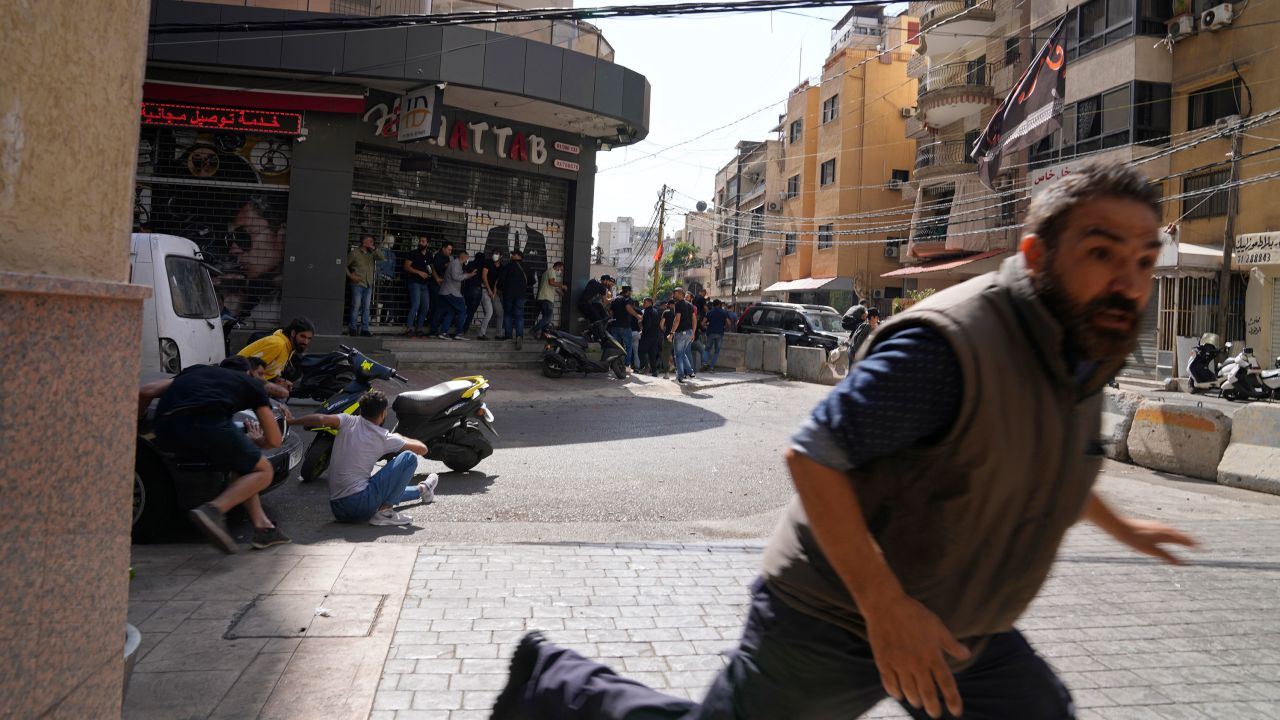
286 412
1146 536
908 643
253 430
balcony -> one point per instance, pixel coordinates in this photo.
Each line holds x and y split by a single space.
573 35
948 26
954 91
916 129
945 157
917 66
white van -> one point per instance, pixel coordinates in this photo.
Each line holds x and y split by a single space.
181 324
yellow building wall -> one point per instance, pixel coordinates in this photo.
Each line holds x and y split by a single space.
805 104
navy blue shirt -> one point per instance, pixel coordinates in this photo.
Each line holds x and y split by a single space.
905 391
716 319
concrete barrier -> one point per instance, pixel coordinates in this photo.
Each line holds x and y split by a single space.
810 365
1182 439
755 353
1252 460
1118 409
773 354
733 352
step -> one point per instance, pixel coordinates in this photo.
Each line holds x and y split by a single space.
473 347
469 369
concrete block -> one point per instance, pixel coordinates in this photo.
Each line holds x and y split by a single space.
805 364
755 352
733 352
773 351
1252 460
1118 409
1179 439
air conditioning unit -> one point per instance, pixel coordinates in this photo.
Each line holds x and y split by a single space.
1182 26
1216 18
1226 124
907 112
877 294
895 184
774 206
891 251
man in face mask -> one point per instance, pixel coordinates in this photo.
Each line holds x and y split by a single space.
934 486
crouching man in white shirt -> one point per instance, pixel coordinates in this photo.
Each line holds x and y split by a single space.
354 496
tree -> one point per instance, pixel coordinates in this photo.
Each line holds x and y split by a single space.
663 288
681 256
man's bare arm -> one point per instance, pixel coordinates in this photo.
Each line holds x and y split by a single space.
150 392
317 420
1144 536
908 642
415 446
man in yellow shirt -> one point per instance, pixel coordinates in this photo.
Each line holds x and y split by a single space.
277 349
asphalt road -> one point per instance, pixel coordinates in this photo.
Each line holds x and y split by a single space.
589 459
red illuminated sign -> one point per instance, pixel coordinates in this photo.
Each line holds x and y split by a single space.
220 118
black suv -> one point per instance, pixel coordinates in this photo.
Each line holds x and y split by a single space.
802 325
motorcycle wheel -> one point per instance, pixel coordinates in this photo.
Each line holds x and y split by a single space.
316 461
619 367
551 368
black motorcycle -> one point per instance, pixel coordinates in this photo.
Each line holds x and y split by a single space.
447 418
318 377
565 352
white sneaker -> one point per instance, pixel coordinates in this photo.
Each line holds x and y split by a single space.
388 517
427 488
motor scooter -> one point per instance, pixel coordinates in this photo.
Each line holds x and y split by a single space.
1271 379
1240 377
1202 368
566 352
318 377
447 417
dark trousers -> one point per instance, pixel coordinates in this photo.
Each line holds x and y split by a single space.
545 310
472 298
512 315
452 312
791 665
433 313
651 352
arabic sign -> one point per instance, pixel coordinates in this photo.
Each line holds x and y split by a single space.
418 113
1258 249
219 118
1043 178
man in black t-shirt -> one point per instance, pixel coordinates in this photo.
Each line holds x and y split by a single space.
473 287
591 301
681 334
623 310
668 318
193 418
439 266
700 303
417 272
513 283
650 338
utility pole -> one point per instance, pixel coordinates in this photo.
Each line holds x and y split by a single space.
1229 239
662 218
737 216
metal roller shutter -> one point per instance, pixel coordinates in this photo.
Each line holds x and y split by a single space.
1142 361
228 193
398 196
1275 323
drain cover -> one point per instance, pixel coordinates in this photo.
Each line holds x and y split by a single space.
293 616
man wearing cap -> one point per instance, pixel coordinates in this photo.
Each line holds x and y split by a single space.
591 301
862 332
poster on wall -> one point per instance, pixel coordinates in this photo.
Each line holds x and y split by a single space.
228 193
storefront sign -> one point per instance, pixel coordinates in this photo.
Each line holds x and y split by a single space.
220 118
1044 177
418 113
480 137
1258 249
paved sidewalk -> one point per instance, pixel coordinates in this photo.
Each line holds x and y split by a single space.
1132 638
383 630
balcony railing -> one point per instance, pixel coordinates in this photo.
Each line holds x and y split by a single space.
932 13
573 35
960 74
944 152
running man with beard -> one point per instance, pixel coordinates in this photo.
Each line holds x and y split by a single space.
934 487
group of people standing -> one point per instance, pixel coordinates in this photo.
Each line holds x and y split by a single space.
683 333
448 289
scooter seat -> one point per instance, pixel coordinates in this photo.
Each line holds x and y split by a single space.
431 401
573 338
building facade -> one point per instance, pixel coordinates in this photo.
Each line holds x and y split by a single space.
846 161
628 248
746 253
393 133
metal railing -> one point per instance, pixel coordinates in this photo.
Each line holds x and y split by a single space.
576 35
931 13
943 152
959 74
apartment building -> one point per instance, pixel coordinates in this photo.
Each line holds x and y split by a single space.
747 249
628 248
845 162
969 55
699 231
1223 79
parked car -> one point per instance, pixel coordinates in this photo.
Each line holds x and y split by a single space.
182 320
167 485
800 325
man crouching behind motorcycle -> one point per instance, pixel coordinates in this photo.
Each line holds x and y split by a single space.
277 349
354 496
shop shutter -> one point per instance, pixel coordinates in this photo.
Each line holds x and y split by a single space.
228 193
1275 325
398 196
1143 358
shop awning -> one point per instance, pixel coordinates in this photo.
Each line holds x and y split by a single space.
1188 260
953 264
216 95
810 284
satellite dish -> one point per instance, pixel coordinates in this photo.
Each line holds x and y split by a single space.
702 206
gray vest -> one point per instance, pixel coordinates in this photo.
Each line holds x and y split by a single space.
970 524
